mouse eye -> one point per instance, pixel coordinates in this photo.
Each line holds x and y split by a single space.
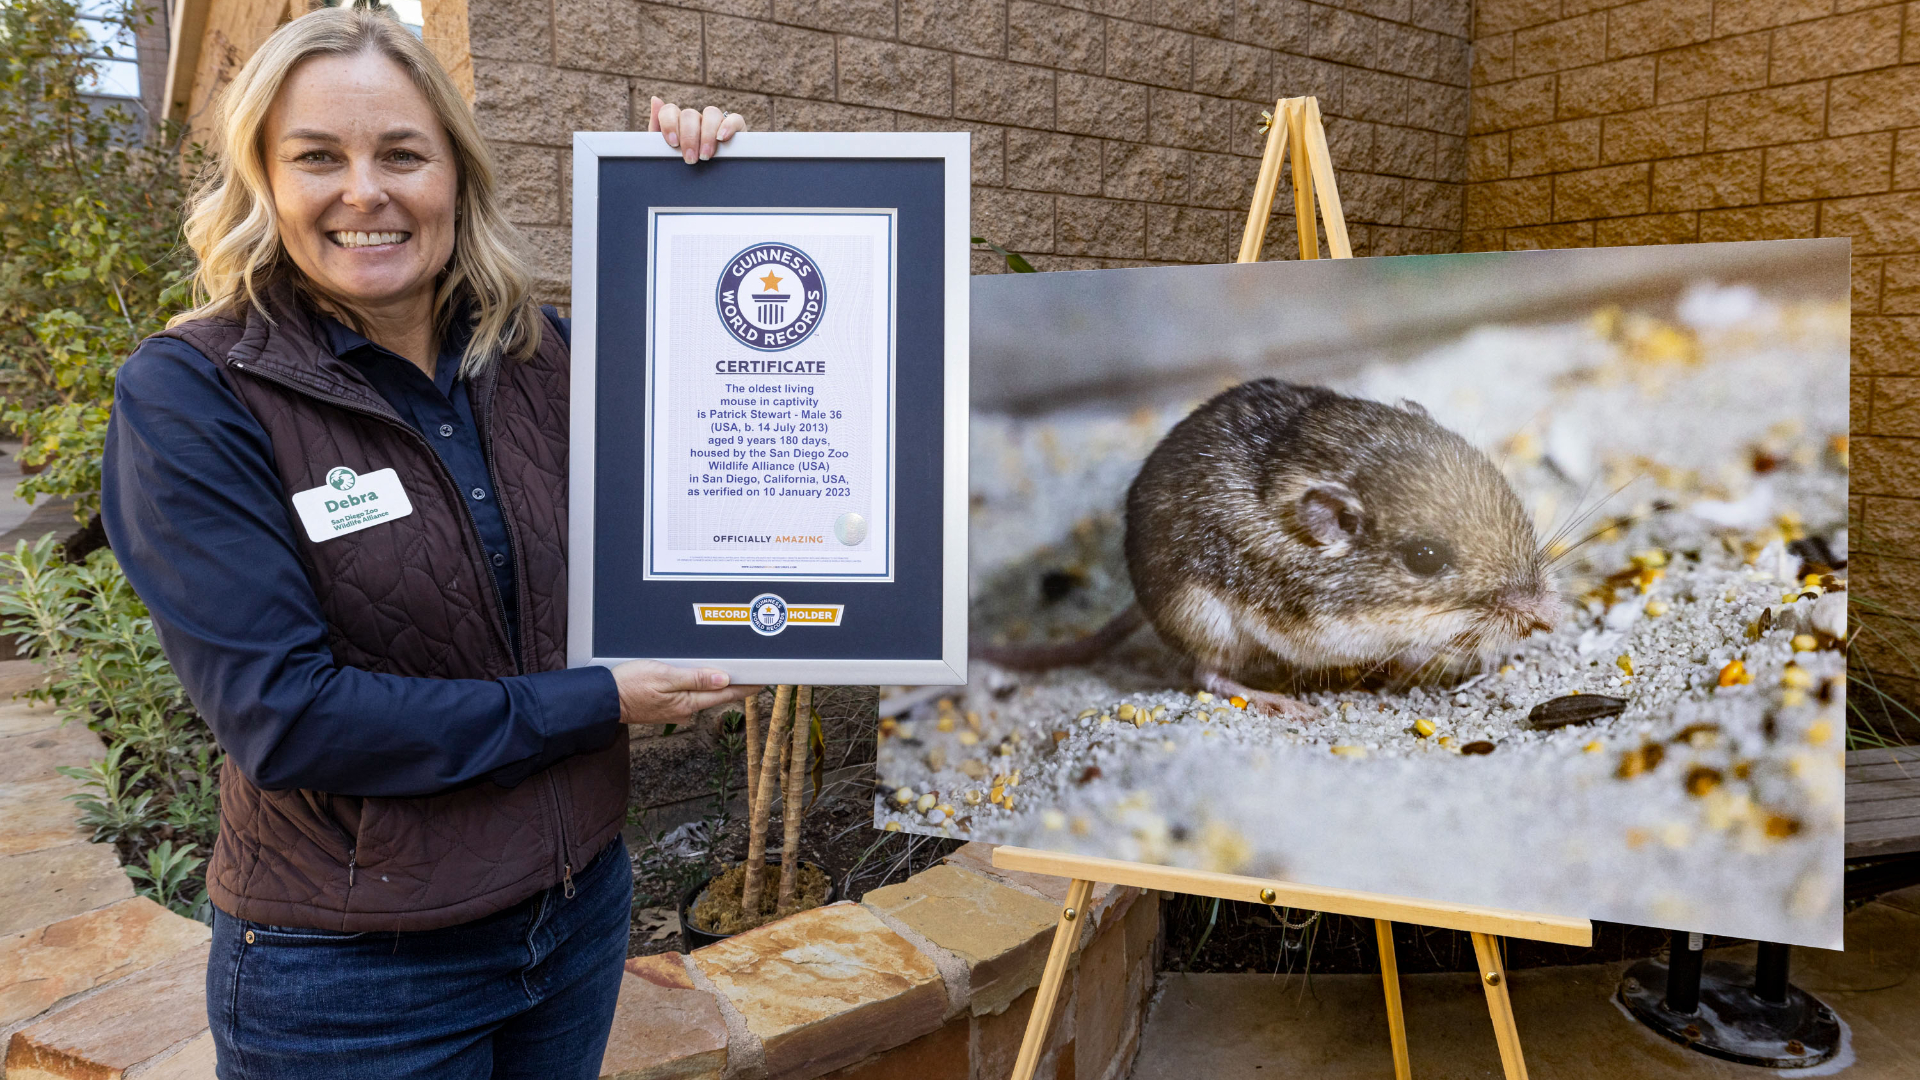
1426 557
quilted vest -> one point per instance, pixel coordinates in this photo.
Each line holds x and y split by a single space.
413 596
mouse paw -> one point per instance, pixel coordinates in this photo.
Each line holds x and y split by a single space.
1268 702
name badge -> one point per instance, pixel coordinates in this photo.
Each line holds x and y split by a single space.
349 502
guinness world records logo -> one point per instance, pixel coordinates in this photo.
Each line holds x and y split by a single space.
767 614
771 296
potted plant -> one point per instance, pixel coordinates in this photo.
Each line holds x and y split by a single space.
752 892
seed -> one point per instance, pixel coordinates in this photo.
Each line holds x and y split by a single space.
999 791
892 826
1054 819
974 769
1644 759
1505 669
903 796
888 726
1624 663
1574 709
926 802
936 759
1423 727
1014 780
1819 732
1795 677
1805 643
1350 751
1105 718
946 809
1084 713
968 738
1140 718
945 723
1734 674
1125 712
905 730
1656 608
971 798
1007 802
1004 749
1791 698
1780 826
1203 697
1593 747
1650 559
1237 701
1480 746
1059 737
946 703
973 720
1701 780
1159 711
1446 740
1091 772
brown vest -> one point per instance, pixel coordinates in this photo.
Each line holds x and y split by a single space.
412 596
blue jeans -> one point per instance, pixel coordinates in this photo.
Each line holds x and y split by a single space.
525 992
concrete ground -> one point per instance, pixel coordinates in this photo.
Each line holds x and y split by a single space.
20 520
1241 1027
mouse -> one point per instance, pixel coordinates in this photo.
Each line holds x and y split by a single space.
1281 529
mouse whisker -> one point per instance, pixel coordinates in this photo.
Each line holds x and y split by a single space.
1582 518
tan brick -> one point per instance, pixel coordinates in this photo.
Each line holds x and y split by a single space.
1020 221
1860 405
1371 198
1348 37
1156 174
943 1055
1878 224
996 90
1557 46
1718 67
825 988
1381 96
1000 933
1502 204
1451 152
1836 46
1194 122
1780 115
509 30
1100 227
1900 288
1483 240
893 76
959 25
1647 229
1886 345
1149 54
1613 191
1499 16
1667 131
1435 205
529 182
1210 17
996 1038
1492 59
1875 101
1349 142
1578 234
1653 25
1056 37
1607 88
1222 181
1508 105
1451 17
34 756
1230 69
1710 180
1303 76
1856 165
1402 151
1487 157
124 1025
1885 466
1044 161
1867 274
1562 147
38 814
806 114
1744 16
22 717
1910 44
41 966
1101 1013
1275 24
623 38
875 17
750 55
1896 407
663 1026
534 103
989 143
1759 223
1906 160
1192 235
1105 107
1893 523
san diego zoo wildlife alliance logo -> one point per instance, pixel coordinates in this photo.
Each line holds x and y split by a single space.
341 478
771 297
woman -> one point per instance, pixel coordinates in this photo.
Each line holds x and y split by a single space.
340 485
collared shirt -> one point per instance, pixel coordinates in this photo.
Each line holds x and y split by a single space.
194 508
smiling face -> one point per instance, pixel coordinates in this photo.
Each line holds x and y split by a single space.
364 181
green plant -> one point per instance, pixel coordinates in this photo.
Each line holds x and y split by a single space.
157 786
1016 262
170 877
90 259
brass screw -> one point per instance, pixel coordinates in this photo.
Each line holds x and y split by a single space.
1070 914
1493 978
1268 896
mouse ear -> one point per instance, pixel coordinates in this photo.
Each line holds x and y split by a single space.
1415 408
1330 513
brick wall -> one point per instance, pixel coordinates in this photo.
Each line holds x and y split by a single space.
1668 121
1115 136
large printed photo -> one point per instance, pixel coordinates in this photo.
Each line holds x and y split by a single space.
1514 579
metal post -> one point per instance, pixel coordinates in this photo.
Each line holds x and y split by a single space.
1770 973
1685 956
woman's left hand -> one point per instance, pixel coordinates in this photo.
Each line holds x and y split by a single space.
696 133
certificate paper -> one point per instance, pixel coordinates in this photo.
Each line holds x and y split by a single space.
770 368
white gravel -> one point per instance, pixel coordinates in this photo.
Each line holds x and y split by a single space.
1732 826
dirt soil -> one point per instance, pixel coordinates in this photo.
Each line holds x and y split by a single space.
719 910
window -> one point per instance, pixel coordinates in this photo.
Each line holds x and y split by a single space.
117 73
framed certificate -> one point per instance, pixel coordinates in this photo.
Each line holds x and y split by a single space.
769 406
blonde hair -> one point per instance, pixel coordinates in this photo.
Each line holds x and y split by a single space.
233 228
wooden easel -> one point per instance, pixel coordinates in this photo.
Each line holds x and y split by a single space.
1295 124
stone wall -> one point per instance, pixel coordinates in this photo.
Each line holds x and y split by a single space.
1670 121
1116 136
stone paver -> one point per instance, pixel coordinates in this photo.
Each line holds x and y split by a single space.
978 857
942 1055
664 1028
25 717
996 1039
194 1061
17 676
134 1020
37 814
35 755
39 887
41 966
1002 934
826 988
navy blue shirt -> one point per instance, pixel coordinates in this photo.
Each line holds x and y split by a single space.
193 506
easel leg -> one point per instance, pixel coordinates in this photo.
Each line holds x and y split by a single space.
1396 1019
1493 979
1064 937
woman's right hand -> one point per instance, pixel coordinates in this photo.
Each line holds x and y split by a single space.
655 693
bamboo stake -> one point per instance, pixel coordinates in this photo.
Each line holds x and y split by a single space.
753 751
755 883
796 798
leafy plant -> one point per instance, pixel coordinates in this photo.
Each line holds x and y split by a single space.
169 877
90 259
1016 262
